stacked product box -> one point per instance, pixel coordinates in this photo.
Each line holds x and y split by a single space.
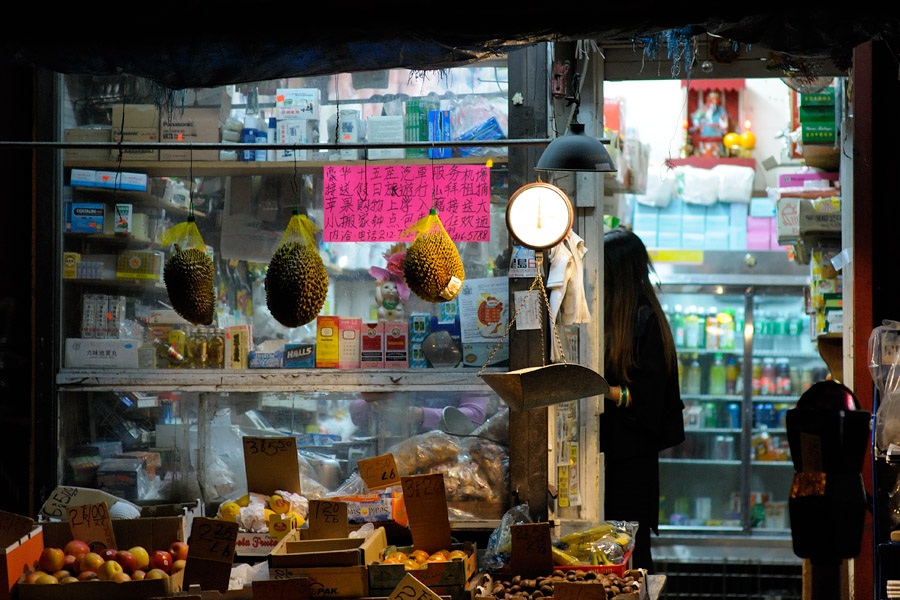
419 328
101 316
297 118
372 345
415 120
396 345
136 123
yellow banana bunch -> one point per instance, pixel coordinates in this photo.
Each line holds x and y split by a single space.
563 558
586 536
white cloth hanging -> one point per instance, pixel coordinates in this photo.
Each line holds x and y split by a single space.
565 281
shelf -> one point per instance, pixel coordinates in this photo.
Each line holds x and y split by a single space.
250 168
712 430
700 462
122 239
142 199
709 528
273 380
712 397
736 351
772 463
778 399
142 284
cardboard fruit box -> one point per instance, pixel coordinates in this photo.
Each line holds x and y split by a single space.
439 574
21 544
328 582
335 552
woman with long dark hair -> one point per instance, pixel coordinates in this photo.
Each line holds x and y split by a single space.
643 410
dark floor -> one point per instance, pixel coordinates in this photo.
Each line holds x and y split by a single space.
751 580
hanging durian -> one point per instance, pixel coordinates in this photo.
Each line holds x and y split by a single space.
188 275
296 279
432 268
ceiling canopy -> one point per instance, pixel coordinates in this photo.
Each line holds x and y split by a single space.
203 45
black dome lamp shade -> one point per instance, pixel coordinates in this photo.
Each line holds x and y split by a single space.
576 151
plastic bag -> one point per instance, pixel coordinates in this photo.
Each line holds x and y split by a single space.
189 274
296 280
432 266
606 543
422 452
496 556
884 351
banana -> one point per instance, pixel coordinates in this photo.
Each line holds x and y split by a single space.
563 558
588 535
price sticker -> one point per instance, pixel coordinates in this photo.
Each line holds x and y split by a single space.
212 539
411 588
285 589
570 590
92 524
327 520
379 472
271 464
425 497
530 553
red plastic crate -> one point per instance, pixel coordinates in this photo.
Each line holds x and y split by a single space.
615 569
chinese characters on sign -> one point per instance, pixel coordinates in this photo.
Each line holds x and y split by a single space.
378 203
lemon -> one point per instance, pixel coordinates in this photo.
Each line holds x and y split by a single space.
279 504
230 511
244 500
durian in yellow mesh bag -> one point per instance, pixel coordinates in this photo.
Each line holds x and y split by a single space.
432 268
188 274
296 280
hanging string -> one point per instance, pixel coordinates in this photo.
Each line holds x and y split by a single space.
294 191
190 182
118 179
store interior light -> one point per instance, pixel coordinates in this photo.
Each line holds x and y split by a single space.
576 151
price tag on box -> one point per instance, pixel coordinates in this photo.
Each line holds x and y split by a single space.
411 588
210 553
379 472
92 524
425 497
296 588
530 553
271 464
327 520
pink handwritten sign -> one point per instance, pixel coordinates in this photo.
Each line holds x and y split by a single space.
378 203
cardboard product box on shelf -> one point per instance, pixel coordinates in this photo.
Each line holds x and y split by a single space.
21 544
137 123
86 135
140 264
85 217
191 125
101 353
328 582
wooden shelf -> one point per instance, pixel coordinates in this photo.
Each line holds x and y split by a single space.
122 239
142 199
704 162
248 168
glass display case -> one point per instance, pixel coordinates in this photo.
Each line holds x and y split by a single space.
745 357
141 384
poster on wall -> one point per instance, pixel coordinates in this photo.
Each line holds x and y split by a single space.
483 309
378 203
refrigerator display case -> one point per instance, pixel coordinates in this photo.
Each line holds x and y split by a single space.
745 356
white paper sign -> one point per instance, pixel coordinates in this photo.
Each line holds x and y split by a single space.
529 315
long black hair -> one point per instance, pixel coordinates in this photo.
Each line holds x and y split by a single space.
627 287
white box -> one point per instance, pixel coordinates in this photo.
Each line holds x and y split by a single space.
388 128
297 103
294 131
81 353
121 180
122 223
83 178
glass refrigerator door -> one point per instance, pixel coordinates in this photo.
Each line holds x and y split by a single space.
710 358
733 473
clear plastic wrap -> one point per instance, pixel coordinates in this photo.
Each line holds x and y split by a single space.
884 343
496 555
607 543
422 452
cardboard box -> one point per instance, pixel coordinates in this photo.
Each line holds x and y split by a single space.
140 264
295 131
297 103
85 217
121 180
153 533
454 572
237 347
349 345
327 341
101 353
83 178
21 544
396 351
299 356
192 125
798 216
334 552
135 123
123 477
386 128
328 582
86 135
371 345
254 544
122 223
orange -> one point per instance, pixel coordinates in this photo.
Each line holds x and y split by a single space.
436 557
397 557
412 565
419 555
458 554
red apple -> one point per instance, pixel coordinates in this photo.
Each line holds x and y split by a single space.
162 560
70 563
62 574
87 575
127 560
32 577
109 569
51 560
178 550
76 548
138 575
108 553
45 579
69 579
121 577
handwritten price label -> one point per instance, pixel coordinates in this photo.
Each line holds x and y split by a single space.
271 464
56 505
411 588
530 553
212 539
425 497
328 520
91 523
379 472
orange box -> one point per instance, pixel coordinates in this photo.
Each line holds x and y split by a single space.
21 544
